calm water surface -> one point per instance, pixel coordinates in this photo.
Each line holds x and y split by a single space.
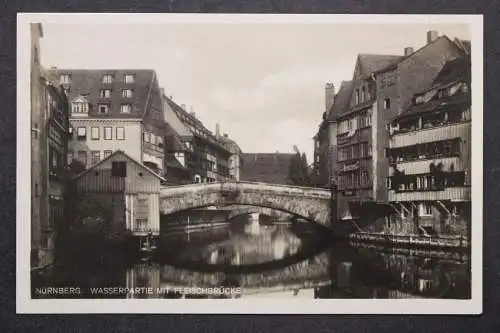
278 260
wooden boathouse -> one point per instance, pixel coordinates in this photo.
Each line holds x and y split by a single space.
117 197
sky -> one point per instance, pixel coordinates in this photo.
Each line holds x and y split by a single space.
262 82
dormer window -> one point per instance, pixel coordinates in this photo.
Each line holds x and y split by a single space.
127 93
65 79
107 78
80 107
103 108
126 108
105 93
129 78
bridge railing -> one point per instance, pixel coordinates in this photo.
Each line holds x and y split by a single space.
235 185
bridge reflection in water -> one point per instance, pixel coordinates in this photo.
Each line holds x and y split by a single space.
279 261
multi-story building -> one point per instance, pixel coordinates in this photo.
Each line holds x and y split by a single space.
235 160
193 154
115 110
271 168
382 87
323 151
430 156
356 137
49 145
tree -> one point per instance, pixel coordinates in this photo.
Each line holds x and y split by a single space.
298 171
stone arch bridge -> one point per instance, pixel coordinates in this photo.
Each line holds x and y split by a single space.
313 204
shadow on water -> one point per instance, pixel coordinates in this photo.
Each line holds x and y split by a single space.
277 260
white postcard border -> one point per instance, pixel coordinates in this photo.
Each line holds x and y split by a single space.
24 303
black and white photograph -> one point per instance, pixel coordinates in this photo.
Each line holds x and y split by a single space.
271 163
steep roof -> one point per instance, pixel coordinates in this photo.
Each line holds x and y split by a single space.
116 153
265 167
371 63
341 100
173 142
89 83
453 71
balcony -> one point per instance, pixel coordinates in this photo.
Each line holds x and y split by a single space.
460 130
422 166
462 193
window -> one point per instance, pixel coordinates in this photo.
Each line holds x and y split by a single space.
79 107
126 108
425 209
466 114
64 79
160 141
146 137
103 108
107 78
82 157
70 158
129 78
67 90
81 133
362 94
127 93
108 133
95 133
120 133
107 153
356 97
153 139
96 156
119 169
387 103
105 93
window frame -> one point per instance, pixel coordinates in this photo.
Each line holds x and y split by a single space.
95 156
105 77
110 133
103 93
123 133
103 105
126 76
95 137
82 137
124 107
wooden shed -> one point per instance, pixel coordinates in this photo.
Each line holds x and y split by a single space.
122 192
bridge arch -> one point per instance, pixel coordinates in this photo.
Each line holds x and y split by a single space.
312 204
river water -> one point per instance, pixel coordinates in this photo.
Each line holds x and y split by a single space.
276 260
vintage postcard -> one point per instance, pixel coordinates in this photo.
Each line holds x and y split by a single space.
270 163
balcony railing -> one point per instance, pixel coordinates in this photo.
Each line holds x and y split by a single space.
440 133
462 193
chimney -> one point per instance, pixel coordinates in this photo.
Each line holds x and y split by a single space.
217 130
432 35
329 96
408 51
225 135
183 106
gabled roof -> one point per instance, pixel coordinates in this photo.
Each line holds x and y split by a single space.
89 83
116 153
371 63
173 142
341 101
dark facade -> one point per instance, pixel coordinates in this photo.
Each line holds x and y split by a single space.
430 156
49 141
356 138
382 88
194 154
271 168
115 110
